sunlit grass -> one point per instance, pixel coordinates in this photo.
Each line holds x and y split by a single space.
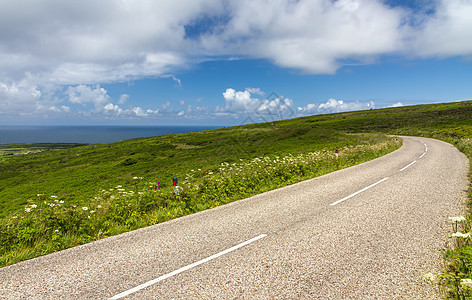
50 223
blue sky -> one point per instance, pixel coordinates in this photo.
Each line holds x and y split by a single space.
215 62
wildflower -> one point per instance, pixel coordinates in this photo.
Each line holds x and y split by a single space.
92 211
57 230
429 277
461 235
27 209
33 205
467 282
52 204
53 196
457 219
39 195
61 202
99 206
85 208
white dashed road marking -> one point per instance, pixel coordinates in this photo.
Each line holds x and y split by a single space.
183 269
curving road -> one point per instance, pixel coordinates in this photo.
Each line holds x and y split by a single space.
366 232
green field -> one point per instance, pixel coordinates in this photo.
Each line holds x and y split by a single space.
24 149
59 198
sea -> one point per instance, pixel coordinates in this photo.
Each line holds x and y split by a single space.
87 134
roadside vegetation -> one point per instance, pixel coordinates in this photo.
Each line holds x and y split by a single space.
53 200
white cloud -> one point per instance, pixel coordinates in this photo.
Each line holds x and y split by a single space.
178 82
311 36
76 42
102 103
83 94
446 33
19 98
241 103
123 99
56 44
398 104
256 91
335 106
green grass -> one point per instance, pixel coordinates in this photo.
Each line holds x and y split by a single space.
23 149
78 173
214 167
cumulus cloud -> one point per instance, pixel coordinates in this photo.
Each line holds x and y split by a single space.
76 42
398 104
311 36
21 98
95 100
241 103
335 106
56 44
447 32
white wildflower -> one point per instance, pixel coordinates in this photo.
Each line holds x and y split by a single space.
92 211
61 202
467 282
33 205
461 235
57 230
99 206
53 196
457 219
85 208
28 209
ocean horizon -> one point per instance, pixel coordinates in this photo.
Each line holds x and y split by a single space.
87 134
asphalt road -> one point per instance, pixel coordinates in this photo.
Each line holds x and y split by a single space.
366 232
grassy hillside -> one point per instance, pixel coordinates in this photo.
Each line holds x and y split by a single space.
79 173
52 200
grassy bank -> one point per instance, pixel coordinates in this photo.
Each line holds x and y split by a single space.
58 199
50 223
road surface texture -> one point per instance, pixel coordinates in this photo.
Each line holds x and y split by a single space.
366 232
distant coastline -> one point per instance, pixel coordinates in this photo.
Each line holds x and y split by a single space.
87 134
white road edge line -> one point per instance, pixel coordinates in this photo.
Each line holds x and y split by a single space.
358 192
422 155
409 165
183 269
